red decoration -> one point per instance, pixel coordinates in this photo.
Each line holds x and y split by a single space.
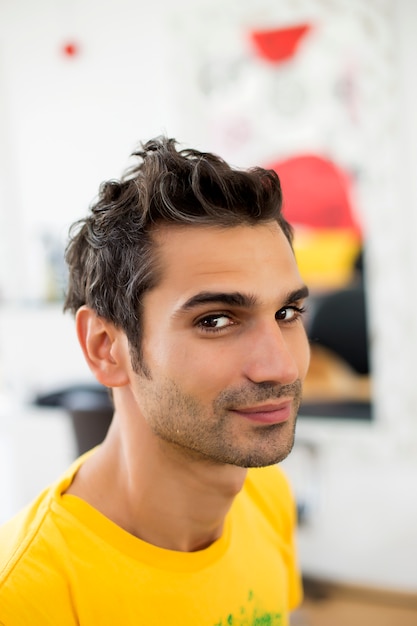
70 49
316 193
279 44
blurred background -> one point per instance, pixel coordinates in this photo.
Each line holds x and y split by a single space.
324 92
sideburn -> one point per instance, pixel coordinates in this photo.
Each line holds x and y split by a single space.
139 364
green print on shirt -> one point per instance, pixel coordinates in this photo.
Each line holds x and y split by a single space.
251 617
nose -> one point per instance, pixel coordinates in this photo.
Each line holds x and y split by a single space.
275 355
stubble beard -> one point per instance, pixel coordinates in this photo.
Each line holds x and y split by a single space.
272 443
212 435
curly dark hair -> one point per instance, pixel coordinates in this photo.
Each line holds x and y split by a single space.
111 253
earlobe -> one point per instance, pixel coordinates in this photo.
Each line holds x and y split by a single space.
104 347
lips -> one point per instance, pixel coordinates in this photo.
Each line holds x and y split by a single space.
267 413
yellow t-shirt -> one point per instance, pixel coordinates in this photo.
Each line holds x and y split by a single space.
62 563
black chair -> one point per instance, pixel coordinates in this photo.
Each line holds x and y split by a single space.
90 408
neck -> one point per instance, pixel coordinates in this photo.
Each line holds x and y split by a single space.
156 493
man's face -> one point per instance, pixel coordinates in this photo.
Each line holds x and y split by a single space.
224 347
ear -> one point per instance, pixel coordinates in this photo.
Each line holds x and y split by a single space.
105 348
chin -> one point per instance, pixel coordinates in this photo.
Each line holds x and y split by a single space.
268 452
262 458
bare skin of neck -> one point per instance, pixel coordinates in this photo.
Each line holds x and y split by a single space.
155 492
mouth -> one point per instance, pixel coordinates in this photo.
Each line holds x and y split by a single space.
272 413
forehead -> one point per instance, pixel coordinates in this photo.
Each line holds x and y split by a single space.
245 258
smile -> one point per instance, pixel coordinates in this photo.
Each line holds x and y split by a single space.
267 413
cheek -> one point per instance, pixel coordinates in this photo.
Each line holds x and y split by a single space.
201 369
302 354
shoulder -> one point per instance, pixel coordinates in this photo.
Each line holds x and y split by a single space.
30 547
269 489
24 555
270 477
269 482
17 535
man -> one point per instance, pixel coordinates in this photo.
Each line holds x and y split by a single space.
188 306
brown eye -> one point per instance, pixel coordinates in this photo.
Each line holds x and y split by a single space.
215 322
289 314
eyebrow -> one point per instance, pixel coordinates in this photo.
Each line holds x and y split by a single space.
236 298
298 294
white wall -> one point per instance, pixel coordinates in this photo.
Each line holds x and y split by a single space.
360 479
68 123
65 125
